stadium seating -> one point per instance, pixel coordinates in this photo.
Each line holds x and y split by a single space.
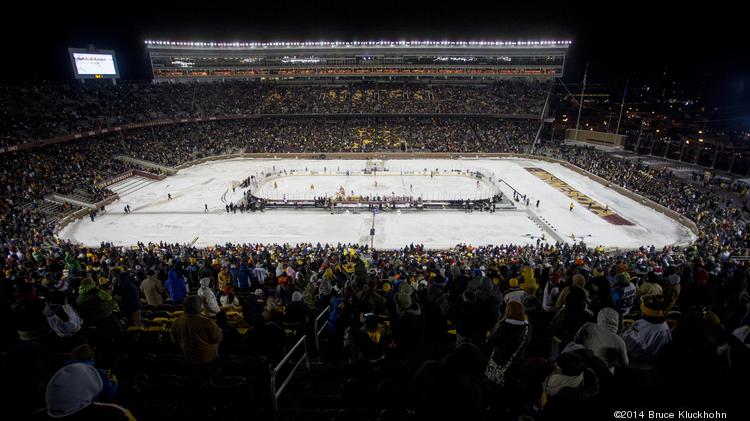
384 335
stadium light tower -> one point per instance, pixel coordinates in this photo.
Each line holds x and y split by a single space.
580 104
622 105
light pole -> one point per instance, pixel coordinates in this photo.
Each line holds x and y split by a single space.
622 105
580 104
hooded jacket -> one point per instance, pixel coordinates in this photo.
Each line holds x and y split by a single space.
602 339
225 279
644 339
208 298
63 328
176 287
72 391
94 304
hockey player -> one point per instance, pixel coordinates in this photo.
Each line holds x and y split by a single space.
205 208
169 196
571 207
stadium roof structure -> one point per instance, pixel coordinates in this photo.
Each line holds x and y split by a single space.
363 44
341 61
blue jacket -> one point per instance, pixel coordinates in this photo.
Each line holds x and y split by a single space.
175 285
243 277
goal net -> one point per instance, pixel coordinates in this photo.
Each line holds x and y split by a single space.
374 165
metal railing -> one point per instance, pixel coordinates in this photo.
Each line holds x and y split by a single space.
317 331
276 392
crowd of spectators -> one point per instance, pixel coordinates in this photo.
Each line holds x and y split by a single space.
41 111
75 168
719 211
564 325
494 332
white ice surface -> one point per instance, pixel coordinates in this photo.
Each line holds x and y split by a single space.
154 218
442 186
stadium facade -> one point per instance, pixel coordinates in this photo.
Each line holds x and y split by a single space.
430 61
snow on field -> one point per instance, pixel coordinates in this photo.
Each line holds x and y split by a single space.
182 219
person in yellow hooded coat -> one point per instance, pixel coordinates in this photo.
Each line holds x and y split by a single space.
529 283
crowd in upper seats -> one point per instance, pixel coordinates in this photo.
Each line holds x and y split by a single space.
41 111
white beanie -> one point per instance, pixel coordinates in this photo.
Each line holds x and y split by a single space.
72 389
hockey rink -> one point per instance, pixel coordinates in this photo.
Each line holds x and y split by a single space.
154 218
440 186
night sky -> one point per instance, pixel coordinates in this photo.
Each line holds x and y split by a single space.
701 45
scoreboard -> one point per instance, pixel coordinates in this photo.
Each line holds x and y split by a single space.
93 64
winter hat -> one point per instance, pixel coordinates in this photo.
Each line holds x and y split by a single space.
673 279
192 305
573 347
711 317
513 283
652 306
87 284
405 288
570 364
325 286
622 278
532 304
258 292
72 389
403 302
296 296
82 352
579 280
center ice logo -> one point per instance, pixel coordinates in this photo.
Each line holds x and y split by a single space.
602 211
